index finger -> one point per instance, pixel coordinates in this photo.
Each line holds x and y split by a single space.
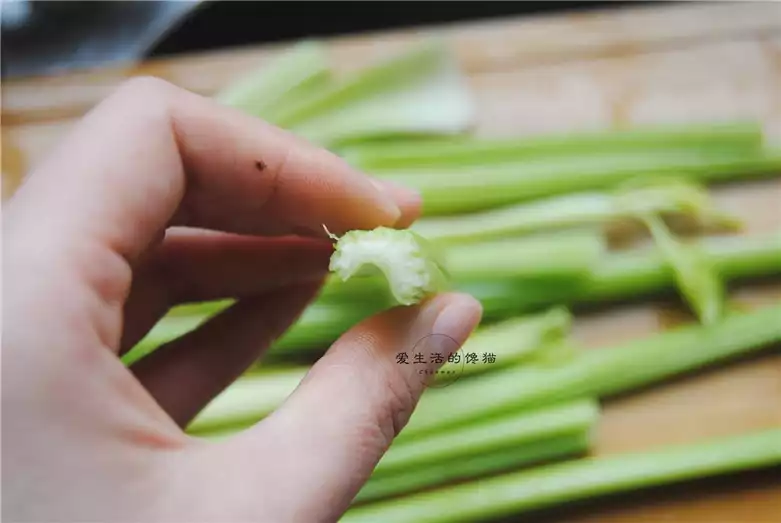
154 155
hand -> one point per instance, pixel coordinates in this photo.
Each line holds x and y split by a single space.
158 197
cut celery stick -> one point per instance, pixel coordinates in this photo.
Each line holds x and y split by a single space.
512 430
630 274
696 276
510 342
474 466
166 330
288 78
410 265
522 491
473 189
418 92
248 400
596 373
459 152
574 210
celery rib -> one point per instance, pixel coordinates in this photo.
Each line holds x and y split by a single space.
597 373
518 492
459 152
463 190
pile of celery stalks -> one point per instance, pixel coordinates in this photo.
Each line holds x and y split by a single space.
524 225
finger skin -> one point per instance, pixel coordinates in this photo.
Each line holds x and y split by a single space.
334 428
186 374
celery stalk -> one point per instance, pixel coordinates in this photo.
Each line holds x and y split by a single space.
629 274
696 276
472 189
418 92
596 373
507 431
522 491
594 208
459 152
290 77
474 466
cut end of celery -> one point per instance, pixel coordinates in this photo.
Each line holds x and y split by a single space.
410 268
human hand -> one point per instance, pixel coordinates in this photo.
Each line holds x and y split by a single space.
159 197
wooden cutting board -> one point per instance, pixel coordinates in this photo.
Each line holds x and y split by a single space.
671 63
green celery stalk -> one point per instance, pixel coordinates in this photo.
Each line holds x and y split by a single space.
418 92
472 189
509 431
592 208
292 76
248 400
518 492
469 467
459 152
631 273
597 373
696 276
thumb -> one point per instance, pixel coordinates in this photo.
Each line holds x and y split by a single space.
332 431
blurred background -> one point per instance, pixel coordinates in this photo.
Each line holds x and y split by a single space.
48 37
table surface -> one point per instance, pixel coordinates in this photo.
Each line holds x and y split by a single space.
671 63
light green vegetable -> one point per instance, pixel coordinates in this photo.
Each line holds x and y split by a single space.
492 446
516 493
594 208
695 274
469 151
596 373
452 191
418 92
507 431
291 77
411 266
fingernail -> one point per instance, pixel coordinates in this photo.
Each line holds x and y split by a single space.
388 198
408 200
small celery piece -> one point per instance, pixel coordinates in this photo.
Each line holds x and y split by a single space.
511 341
570 211
409 263
519 492
287 79
459 152
596 373
248 400
695 274
418 92
454 190
469 467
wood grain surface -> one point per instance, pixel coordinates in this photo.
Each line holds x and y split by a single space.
672 63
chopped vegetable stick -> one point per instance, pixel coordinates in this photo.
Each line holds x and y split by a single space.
519 492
